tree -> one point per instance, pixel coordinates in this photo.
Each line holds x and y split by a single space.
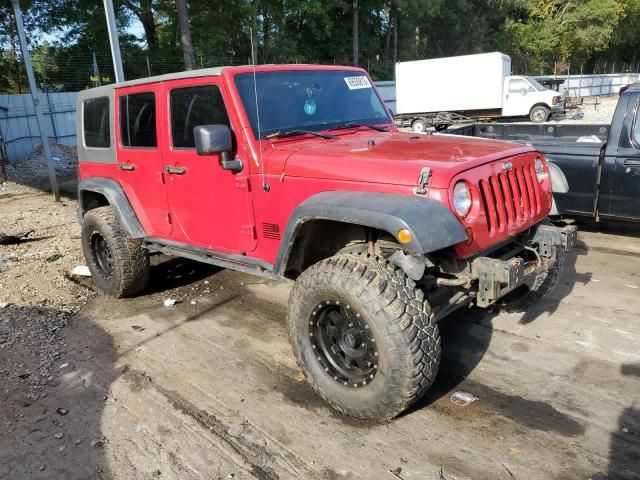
185 35
354 39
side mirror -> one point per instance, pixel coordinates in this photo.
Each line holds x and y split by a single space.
212 139
523 91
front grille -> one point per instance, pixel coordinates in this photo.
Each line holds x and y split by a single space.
510 198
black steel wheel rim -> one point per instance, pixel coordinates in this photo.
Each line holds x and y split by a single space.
102 254
343 343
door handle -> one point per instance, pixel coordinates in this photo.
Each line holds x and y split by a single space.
126 166
175 170
632 162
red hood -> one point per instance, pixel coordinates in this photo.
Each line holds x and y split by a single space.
384 157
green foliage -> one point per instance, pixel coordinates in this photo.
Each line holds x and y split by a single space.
538 34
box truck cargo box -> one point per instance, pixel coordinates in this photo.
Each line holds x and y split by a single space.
473 85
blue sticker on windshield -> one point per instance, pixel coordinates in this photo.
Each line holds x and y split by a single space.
310 107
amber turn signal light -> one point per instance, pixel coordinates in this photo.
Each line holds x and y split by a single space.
404 235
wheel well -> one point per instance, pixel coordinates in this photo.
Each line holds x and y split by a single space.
90 200
541 104
319 239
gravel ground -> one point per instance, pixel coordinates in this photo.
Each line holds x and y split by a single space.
37 298
33 169
591 112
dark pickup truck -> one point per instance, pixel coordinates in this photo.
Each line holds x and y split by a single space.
601 162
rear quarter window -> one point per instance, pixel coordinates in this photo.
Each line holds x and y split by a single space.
95 123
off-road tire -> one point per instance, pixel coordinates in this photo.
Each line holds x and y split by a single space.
521 299
129 259
396 314
539 114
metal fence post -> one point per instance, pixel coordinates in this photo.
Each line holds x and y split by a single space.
34 97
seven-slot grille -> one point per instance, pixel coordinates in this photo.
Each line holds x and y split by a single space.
511 197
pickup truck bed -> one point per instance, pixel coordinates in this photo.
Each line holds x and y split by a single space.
601 162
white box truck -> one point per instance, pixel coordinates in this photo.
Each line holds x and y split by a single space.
430 91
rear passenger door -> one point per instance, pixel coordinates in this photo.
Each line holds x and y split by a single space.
210 207
139 158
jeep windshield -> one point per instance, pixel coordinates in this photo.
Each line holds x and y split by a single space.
312 100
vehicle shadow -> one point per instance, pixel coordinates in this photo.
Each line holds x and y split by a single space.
570 277
613 228
50 426
624 454
173 272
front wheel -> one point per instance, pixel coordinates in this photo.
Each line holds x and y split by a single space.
539 114
363 335
528 295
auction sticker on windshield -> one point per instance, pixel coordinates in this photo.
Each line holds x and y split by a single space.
355 83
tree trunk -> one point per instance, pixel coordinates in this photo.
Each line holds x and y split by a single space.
387 43
395 36
356 53
148 23
185 35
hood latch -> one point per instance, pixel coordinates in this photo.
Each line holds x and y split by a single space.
423 181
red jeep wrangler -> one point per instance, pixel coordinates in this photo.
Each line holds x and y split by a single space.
299 173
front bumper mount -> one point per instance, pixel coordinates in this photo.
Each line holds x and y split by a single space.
497 277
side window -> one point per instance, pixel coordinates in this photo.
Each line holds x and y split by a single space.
516 85
193 106
95 123
636 126
138 120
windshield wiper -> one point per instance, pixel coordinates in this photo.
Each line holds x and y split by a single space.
290 133
357 124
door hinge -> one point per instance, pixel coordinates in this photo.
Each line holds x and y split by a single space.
169 221
248 230
243 183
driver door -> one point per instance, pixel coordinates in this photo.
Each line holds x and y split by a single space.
517 98
210 207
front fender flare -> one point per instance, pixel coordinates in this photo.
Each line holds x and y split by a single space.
432 224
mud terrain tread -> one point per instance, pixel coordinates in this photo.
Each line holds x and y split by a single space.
132 259
542 286
392 297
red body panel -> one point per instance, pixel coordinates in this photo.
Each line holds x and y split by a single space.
214 208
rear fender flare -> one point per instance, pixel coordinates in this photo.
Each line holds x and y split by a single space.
117 199
432 225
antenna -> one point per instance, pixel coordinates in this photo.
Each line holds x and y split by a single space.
265 185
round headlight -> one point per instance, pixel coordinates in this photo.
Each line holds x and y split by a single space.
461 199
540 173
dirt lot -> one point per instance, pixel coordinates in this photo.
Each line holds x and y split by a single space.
208 388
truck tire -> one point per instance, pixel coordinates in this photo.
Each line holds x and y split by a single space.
539 114
419 125
119 265
363 335
522 298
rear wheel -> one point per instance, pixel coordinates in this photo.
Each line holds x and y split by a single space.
363 335
419 125
539 114
119 265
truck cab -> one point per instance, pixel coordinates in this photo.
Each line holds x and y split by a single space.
297 173
524 96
